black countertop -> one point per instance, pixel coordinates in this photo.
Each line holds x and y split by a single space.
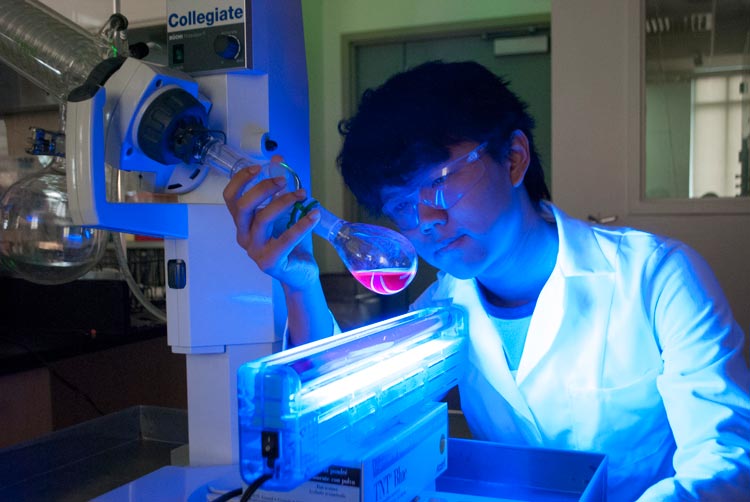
22 349
40 324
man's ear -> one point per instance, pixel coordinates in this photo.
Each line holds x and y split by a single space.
519 157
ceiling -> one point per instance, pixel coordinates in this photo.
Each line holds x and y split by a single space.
698 33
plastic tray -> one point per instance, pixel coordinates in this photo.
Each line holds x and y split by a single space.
484 471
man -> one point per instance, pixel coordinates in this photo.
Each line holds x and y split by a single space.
582 337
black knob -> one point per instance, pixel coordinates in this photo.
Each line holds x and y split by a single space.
227 46
138 50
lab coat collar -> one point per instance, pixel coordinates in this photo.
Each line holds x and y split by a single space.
579 252
582 266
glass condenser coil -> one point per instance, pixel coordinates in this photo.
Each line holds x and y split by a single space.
301 409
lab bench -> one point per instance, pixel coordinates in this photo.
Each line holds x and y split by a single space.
477 471
66 360
138 454
84 461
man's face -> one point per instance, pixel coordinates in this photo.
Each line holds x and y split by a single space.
479 229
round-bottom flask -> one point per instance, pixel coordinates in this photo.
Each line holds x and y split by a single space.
38 240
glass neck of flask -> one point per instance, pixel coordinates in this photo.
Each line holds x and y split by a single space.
329 225
222 157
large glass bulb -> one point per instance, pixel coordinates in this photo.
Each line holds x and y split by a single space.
38 241
382 260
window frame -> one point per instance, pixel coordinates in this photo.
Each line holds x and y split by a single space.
638 204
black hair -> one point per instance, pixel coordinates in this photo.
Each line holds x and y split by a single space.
410 121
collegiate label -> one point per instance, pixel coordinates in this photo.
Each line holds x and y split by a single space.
195 19
193 14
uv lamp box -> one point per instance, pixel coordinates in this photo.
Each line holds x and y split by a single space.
300 410
401 463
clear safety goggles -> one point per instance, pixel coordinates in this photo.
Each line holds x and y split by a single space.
453 181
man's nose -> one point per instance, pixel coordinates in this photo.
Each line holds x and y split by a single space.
430 216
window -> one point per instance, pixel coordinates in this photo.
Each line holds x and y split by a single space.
718 135
697 107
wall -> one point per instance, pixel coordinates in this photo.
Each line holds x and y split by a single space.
596 87
326 23
668 130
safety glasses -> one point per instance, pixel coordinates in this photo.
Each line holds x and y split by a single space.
452 182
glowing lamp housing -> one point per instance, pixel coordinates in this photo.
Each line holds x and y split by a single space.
301 409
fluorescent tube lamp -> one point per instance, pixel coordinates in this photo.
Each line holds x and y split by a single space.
301 409
513 46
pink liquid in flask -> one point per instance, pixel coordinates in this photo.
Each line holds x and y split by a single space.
386 281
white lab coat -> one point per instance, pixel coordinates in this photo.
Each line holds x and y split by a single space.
632 351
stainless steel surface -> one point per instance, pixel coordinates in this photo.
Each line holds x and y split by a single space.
92 458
